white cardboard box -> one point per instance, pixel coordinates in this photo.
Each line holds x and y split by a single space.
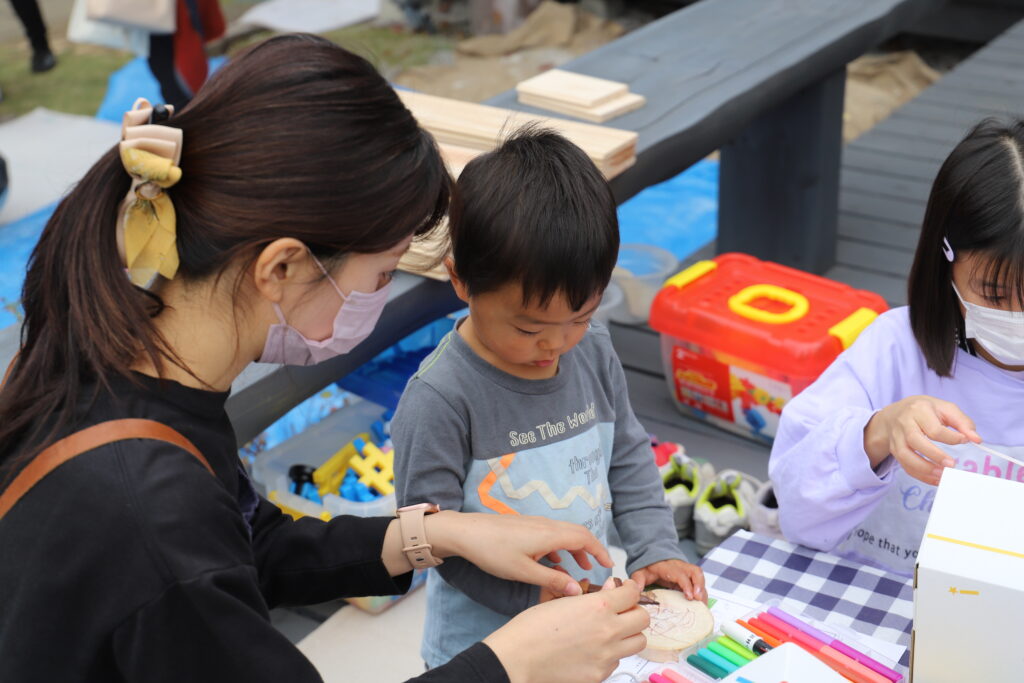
969 583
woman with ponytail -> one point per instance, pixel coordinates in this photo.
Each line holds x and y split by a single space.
262 222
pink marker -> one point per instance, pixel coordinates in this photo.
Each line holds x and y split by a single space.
674 677
870 663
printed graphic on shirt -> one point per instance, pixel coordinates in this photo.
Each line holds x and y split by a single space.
892 533
566 480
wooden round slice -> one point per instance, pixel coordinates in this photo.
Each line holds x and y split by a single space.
676 625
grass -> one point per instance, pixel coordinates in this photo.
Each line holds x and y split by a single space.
75 86
79 81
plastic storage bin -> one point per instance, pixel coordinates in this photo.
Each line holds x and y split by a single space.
740 337
313 447
611 301
640 271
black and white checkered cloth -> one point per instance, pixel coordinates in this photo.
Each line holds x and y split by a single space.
830 589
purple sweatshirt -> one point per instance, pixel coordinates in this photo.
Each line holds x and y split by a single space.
829 497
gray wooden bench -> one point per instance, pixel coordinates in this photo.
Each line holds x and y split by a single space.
762 80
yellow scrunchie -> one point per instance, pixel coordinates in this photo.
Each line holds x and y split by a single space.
149 219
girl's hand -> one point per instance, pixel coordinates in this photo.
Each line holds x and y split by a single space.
576 639
677 574
509 546
906 430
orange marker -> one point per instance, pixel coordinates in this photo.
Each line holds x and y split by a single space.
769 629
836 660
766 637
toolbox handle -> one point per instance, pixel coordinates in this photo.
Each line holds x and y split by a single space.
739 304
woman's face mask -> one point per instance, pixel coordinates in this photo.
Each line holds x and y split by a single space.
354 321
999 332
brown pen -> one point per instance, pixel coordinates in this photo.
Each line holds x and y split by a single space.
591 588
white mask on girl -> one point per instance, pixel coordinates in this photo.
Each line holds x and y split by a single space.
353 323
999 332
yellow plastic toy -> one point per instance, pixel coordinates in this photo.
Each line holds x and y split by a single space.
374 467
328 477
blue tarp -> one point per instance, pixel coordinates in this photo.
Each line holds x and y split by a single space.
680 214
17 240
132 81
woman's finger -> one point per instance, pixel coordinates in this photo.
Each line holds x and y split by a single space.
628 646
700 591
554 557
582 559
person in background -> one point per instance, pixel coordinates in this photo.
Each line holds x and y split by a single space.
178 61
35 28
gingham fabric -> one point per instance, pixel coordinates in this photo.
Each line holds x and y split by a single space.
831 589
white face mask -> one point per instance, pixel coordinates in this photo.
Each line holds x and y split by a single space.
999 332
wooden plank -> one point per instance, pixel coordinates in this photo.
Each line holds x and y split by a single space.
1002 82
970 101
903 123
886 164
892 289
482 127
977 68
886 186
950 116
903 146
891 209
598 114
571 88
872 257
873 230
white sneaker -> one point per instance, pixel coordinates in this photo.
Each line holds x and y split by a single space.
683 478
764 512
722 508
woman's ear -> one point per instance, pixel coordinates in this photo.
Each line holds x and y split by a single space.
460 287
281 263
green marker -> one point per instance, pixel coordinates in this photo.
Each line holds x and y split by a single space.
737 648
727 654
703 665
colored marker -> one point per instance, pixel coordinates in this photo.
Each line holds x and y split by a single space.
706 667
746 638
848 667
754 629
775 633
870 663
717 660
726 641
655 678
727 654
675 677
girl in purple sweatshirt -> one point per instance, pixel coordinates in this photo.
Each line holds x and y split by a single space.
859 453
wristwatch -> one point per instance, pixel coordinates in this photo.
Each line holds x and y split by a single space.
414 536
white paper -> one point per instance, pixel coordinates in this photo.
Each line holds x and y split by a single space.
310 16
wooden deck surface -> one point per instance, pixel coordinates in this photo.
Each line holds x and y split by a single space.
885 180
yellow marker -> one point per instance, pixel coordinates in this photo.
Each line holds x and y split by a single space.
374 467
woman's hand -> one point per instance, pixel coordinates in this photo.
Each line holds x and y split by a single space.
509 546
906 429
676 574
576 639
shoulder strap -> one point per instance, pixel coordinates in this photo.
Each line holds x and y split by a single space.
86 440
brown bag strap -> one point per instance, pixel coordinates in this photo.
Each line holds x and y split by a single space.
86 440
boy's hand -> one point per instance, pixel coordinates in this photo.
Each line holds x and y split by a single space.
687 577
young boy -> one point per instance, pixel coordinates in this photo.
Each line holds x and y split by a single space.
523 408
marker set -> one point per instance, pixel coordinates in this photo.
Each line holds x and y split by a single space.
745 640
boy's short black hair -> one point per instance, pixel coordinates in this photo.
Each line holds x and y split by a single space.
977 206
536 211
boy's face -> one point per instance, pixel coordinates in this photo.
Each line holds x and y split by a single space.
525 340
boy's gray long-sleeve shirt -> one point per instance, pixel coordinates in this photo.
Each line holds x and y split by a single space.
470 437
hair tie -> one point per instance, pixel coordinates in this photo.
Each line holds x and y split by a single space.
147 235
